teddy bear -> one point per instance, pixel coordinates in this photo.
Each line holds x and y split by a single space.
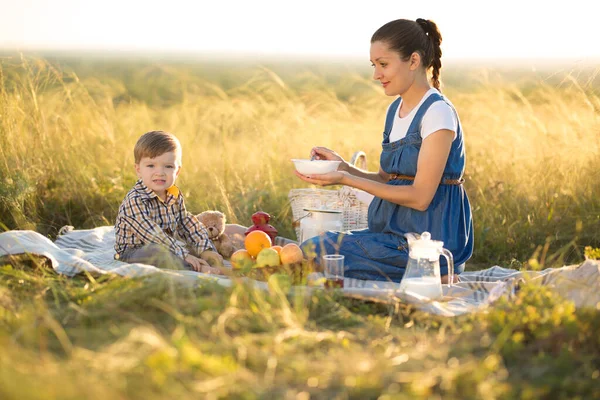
214 221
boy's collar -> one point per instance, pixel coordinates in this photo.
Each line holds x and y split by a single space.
141 188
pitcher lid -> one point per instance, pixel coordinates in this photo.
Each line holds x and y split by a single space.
424 244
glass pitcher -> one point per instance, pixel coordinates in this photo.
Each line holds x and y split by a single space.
422 274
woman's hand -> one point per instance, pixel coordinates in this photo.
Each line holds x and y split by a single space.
323 153
330 178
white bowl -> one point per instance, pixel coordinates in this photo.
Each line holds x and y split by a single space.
308 167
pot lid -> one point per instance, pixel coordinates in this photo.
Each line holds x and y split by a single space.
322 210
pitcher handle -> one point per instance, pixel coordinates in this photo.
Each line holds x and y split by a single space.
450 259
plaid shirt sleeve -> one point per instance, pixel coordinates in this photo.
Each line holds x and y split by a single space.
137 217
192 230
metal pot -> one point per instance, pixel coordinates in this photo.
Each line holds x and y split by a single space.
317 221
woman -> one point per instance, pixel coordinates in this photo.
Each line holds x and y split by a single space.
419 184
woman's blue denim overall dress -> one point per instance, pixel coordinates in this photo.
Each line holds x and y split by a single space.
380 252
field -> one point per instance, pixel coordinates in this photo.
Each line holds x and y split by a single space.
67 130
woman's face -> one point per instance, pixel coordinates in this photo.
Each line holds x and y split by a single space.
396 76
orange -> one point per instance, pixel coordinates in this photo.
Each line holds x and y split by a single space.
255 241
277 249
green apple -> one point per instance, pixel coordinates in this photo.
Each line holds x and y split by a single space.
268 257
241 259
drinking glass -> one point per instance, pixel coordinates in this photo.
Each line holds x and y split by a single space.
333 268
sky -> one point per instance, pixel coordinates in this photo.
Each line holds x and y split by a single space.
509 29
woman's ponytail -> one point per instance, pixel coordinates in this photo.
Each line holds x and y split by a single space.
434 50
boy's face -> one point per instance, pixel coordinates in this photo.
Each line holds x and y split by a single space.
159 173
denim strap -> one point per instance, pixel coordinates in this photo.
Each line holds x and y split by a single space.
389 119
415 125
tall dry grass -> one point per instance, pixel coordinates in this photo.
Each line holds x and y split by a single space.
67 130
66 143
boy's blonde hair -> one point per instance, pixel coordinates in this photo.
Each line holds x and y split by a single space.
155 143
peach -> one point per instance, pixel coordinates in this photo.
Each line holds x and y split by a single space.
291 254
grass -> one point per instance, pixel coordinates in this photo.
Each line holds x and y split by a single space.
67 129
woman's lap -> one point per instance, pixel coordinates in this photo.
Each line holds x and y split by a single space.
367 255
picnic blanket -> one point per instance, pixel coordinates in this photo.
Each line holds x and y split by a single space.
91 251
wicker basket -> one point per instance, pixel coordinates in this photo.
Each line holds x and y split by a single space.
354 211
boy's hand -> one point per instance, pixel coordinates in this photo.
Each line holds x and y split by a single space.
200 265
196 263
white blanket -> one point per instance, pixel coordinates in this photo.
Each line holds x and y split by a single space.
92 251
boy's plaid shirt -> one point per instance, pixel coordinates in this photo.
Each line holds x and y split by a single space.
144 218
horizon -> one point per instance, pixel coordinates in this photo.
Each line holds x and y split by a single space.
176 56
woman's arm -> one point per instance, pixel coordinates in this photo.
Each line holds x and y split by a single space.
430 167
323 153
380 176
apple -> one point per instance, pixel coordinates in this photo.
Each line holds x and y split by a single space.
241 259
268 258
291 253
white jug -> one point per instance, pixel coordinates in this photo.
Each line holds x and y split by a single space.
422 274
317 221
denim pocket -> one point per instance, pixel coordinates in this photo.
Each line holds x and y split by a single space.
389 249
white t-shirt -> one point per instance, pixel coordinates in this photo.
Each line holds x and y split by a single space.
439 116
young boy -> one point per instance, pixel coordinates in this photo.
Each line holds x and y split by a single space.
154 211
